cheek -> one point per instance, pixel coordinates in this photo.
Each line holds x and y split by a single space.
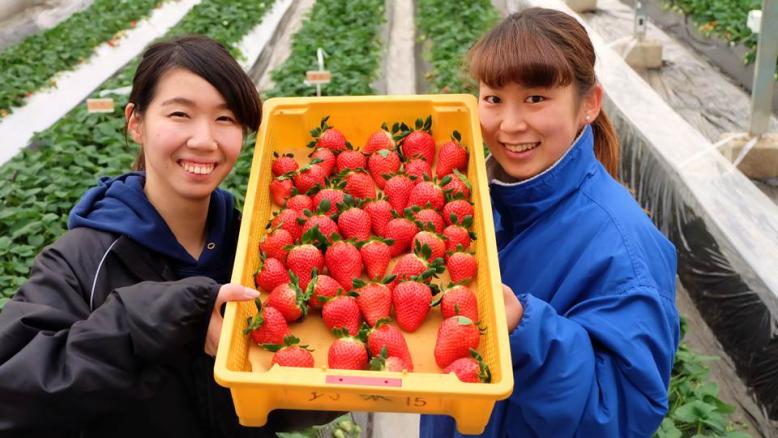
489 126
231 140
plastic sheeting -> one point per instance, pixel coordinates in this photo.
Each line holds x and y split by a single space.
725 229
730 296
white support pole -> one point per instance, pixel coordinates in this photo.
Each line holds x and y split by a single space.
764 73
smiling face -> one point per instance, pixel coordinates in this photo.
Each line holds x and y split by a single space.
190 138
527 130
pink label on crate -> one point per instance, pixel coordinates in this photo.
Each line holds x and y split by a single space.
359 380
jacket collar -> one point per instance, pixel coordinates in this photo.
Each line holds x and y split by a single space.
520 203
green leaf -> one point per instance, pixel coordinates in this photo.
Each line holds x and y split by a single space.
668 430
694 412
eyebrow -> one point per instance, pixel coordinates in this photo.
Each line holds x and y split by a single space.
186 102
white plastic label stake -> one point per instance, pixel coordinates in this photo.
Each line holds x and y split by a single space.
754 20
314 77
104 105
320 76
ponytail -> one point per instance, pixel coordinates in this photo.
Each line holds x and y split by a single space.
606 144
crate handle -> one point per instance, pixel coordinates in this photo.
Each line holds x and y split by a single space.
364 381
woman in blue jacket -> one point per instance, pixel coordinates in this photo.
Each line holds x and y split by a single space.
590 282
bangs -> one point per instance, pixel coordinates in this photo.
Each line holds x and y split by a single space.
515 52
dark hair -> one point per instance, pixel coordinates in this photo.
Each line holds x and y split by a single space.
206 58
540 47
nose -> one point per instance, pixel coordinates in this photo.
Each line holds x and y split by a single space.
202 136
512 120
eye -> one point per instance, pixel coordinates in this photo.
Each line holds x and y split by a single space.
492 99
535 99
178 114
225 118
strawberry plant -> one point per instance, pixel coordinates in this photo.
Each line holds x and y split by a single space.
695 408
349 34
449 36
31 64
725 19
40 185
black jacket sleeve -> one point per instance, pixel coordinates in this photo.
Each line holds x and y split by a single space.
61 365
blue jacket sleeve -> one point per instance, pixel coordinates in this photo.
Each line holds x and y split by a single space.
602 369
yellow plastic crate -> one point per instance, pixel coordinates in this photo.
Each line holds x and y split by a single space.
244 368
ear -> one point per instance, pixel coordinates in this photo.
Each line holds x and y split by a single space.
592 104
133 123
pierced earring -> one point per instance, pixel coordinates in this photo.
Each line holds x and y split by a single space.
588 117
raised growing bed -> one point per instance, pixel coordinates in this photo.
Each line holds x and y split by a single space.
32 63
39 186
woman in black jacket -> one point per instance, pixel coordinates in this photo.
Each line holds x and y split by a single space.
115 331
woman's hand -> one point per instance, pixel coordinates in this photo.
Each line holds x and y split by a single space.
513 308
228 292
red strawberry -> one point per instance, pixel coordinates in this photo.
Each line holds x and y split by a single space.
360 185
321 288
457 235
457 300
470 369
433 241
380 211
379 140
350 160
281 190
283 164
397 190
452 155
289 220
457 210
411 300
347 352
290 354
334 193
303 258
418 142
416 264
354 222
342 311
308 177
327 226
325 136
289 299
376 255
267 326
384 362
270 274
456 336
427 193
375 299
385 335
429 219
462 266
299 202
459 187
401 231
419 168
274 244
344 262
324 158
383 162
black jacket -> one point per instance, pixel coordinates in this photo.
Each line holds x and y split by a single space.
103 341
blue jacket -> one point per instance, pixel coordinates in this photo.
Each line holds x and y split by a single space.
593 353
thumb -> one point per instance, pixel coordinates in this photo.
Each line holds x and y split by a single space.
235 292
